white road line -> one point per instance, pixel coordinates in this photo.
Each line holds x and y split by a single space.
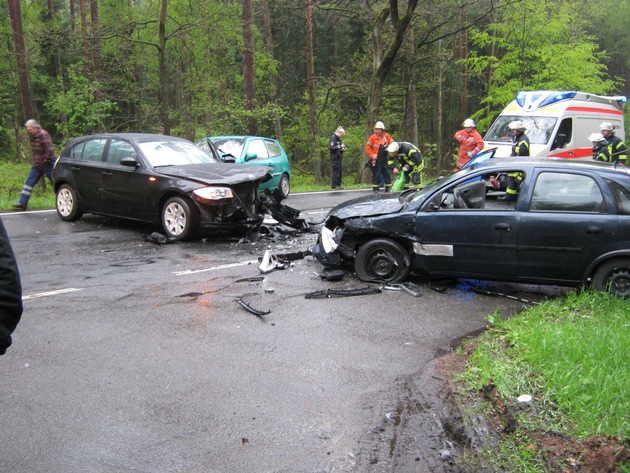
51 293
223 266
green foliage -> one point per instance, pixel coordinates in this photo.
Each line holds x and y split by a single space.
76 101
540 46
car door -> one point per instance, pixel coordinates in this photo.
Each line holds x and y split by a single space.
87 165
467 242
257 153
566 226
126 190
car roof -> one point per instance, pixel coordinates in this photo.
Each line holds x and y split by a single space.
238 137
551 163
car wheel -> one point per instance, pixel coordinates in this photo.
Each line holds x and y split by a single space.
382 260
178 219
67 203
613 276
284 186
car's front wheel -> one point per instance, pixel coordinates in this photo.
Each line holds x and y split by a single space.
285 186
613 276
384 260
67 203
178 219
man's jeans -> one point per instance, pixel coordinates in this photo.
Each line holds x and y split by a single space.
33 178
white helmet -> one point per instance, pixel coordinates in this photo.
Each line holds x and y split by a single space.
379 125
393 148
596 138
607 126
517 125
469 123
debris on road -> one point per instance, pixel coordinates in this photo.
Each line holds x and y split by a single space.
330 293
248 308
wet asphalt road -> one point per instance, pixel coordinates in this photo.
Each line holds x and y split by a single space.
115 367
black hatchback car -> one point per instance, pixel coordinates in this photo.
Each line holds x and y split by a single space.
159 179
570 225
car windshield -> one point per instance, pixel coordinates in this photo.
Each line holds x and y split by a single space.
419 194
174 153
231 146
538 129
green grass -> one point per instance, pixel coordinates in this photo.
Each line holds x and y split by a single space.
571 354
13 177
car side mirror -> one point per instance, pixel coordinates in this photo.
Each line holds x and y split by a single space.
228 158
250 156
130 162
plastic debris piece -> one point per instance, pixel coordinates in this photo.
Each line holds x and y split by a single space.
330 293
248 308
524 398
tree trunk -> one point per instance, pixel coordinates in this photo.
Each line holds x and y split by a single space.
86 44
248 67
383 59
15 12
164 83
411 110
310 84
273 77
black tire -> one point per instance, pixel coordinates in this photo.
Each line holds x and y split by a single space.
382 260
67 203
613 276
284 187
178 219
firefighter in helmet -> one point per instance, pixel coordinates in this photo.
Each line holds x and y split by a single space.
616 147
600 147
377 156
520 148
470 143
407 157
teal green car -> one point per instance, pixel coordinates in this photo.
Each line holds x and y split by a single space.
254 150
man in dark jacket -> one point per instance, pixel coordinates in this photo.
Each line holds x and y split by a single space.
10 291
42 158
336 152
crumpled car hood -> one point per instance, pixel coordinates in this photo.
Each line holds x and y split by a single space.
217 173
370 206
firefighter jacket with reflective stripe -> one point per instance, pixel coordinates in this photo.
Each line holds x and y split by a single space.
617 150
600 152
408 155
521 145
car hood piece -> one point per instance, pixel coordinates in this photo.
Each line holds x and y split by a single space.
370 206
217 173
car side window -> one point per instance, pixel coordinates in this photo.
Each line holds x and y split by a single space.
77 151
92 150
564 192
622 197
258 148
120 149
274 149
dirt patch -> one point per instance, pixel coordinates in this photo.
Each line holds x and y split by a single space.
468 434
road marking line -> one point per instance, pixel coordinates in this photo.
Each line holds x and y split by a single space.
223 266
51 293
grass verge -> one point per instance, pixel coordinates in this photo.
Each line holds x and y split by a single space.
571 356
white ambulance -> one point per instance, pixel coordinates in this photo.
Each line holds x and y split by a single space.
557 123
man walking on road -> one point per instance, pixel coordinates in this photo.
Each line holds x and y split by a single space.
42 158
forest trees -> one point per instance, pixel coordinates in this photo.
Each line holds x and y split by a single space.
201 68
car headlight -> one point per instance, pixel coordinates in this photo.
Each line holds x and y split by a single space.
214 193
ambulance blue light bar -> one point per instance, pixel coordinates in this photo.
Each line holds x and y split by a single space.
533 97
557 98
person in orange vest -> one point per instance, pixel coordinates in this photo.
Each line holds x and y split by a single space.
376 150
470 143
